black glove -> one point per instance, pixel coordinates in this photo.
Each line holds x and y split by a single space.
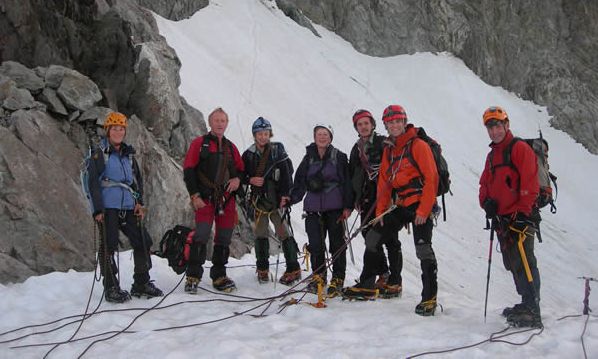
491 208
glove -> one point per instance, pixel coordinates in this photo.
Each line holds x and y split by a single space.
491 208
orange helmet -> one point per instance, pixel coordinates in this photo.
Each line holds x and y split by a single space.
495 113
394 112
115 119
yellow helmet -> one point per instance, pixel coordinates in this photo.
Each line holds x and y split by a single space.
115 119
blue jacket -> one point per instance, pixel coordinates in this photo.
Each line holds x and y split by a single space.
110 172
334 170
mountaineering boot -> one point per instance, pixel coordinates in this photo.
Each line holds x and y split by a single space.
224 284
312 286
116 295
262 252
263 276
426 308
148 290
391 291
526 317
382 279
335 288
359 292
191 285
519 307
288 278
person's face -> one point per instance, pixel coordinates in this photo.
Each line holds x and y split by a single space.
322 138
218 123
395 128
364 127
497 130
116 134
262 138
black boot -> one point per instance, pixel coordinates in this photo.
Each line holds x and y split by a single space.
148 290
526 316
290 250
262 253
116 295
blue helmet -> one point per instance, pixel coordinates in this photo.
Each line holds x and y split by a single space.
261 124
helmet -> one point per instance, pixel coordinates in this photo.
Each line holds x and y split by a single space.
394 112
359 114
261 124
115 119
328 127
494 113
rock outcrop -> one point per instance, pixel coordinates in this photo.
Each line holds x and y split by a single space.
66 64
543 51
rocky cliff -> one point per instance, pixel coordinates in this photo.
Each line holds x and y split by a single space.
64 65
545 51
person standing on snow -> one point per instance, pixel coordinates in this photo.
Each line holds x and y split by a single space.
364 164
212 171
116 189
414 194
508 192
269 172
324 175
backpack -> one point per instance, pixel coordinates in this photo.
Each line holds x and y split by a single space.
175 246
545 177
444 180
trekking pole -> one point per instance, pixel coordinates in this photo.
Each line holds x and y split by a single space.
489 266
346 235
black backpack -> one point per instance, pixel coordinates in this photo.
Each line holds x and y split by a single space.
444 180
175 246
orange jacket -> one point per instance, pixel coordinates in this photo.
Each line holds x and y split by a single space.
403 173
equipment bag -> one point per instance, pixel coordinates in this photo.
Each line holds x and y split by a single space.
175 246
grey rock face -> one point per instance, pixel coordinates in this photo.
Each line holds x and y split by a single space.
17 98
544 51
174 9
43 226
290 10
22 76
78 92
50 98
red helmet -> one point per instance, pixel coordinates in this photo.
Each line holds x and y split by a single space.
359 114
394 112
494 113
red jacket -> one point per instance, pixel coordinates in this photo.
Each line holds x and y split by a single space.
405 173
515 190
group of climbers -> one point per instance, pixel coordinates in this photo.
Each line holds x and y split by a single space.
391 181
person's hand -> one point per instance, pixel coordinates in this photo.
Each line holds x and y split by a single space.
491 208
346 213
284 201
256 181
233 184
99 217
139 211
197 202
419 220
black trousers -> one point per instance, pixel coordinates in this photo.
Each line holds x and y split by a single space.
317 225
422 238
124 221
390 239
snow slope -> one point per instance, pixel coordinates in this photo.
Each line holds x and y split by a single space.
247 57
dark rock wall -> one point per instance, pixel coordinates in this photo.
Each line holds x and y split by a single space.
545 51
